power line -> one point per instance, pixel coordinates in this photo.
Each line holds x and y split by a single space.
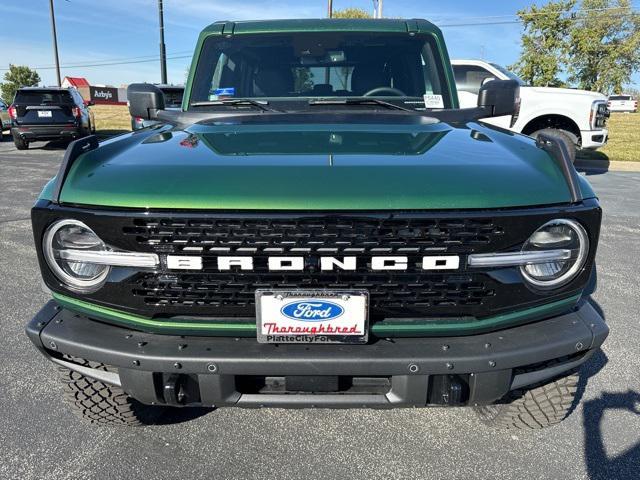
119 59
531 14
178 54
513 22
106 64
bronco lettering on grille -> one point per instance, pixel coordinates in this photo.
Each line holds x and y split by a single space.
438 262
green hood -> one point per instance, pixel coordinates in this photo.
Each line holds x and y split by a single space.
298 166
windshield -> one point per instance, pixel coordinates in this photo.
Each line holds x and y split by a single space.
511 75
298 66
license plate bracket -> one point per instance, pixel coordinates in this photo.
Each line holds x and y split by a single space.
312 316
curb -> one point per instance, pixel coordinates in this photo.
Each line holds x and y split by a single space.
607 165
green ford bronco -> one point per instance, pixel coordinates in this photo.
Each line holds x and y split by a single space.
321 226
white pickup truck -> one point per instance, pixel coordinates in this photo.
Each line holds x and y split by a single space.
578 115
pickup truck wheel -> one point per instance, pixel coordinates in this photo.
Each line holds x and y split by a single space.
100 403
568 138
540 406
20 143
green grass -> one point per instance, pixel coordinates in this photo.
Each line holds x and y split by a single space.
111 119
624 140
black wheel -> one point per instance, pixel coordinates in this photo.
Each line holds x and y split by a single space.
100 403
538 406
567 137
20 143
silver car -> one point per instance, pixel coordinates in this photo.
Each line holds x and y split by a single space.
5 120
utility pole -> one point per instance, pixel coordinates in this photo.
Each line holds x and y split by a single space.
330 9
163 51
55 41
377 8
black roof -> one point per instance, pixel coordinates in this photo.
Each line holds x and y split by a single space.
61 89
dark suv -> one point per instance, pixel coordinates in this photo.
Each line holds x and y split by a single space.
49 113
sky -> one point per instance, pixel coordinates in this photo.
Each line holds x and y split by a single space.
127 31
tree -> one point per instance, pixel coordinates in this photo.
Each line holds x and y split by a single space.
604 45
351 12
544 47
595 45
17 76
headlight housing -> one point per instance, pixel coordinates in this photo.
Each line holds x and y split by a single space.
73 235
557 235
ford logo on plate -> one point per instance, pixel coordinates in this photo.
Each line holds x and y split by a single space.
312 310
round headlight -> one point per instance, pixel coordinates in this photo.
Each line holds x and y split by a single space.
557 235
66 235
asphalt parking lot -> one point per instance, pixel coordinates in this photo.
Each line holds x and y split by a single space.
40 439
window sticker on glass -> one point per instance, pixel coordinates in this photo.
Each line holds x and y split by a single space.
433 101
221 93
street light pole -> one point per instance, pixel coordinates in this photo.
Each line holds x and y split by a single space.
163 51
377 8
330 9
55 42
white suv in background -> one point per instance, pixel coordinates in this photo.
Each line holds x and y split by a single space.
623 103
577 115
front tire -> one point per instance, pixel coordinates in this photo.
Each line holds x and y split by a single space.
539 406
20 143
100 403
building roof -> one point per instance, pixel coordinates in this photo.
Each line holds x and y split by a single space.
77 81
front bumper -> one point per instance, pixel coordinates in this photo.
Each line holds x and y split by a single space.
593 139
399 372
48 132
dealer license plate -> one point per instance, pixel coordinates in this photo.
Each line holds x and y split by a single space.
44 113
312 316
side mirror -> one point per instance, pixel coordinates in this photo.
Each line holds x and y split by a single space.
145 100
499 97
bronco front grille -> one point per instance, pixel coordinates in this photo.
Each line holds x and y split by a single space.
390 294
313 235
402 295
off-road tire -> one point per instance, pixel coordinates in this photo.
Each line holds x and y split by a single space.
20 143
539 406
569 140
100 403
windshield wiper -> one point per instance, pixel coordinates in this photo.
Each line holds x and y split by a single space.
360 101
262 104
